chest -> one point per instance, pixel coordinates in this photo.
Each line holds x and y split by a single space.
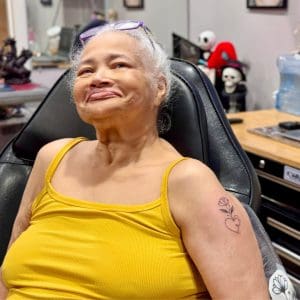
104 258
123 186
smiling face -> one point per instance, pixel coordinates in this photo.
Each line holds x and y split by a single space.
112 84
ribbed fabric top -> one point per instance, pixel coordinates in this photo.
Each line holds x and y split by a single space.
79 249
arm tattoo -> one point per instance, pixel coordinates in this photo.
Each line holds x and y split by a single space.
232 222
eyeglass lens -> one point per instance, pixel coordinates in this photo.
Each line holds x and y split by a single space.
128 25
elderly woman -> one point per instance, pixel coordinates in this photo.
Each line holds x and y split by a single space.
125 216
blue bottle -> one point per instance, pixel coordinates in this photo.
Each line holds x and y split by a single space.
288 96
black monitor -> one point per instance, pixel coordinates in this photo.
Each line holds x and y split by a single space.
65 41
184 49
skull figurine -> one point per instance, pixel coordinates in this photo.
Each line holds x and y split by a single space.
207 40
231 78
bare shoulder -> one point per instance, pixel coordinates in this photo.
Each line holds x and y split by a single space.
42 161
35 185
188 174
195 189
49 150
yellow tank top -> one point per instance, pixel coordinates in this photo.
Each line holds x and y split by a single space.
78 249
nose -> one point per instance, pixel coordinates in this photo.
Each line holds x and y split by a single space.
101 77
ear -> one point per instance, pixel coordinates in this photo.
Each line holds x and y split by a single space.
161 90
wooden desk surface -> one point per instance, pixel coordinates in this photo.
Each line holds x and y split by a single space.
264 146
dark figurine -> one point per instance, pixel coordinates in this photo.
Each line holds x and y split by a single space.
233 95
12 71
12 66
12 53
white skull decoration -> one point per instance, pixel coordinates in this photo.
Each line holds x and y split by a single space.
207 40
231 77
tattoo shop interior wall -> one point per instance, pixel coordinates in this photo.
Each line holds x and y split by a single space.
162 17
259 35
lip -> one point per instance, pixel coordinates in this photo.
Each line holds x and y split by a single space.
101 94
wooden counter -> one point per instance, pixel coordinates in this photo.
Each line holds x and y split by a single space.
278 167
264 146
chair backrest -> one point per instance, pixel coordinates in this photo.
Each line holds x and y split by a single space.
199 129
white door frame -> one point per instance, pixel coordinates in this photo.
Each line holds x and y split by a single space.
17 22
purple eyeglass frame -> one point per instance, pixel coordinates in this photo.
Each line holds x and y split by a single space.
121 25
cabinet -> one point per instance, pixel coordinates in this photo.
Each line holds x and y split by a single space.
278 167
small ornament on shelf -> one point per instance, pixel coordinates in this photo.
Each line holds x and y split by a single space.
233 95
12 68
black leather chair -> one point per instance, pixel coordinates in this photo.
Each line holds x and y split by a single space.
199 129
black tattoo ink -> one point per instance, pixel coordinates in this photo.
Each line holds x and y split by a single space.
232 222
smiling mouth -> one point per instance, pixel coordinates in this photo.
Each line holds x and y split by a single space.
102 95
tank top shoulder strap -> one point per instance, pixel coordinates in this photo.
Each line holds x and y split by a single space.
58 157
164 198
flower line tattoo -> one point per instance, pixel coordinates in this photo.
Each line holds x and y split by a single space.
232 222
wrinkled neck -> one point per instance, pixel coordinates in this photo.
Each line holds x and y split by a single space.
122 147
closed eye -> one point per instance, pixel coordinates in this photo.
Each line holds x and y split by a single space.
119 65
84 71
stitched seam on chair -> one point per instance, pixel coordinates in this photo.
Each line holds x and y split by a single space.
235 191
202 132
14 163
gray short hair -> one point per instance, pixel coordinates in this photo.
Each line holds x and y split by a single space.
153 56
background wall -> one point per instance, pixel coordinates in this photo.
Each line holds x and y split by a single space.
62 13
17 22
40 18
79 12
162 16
259 36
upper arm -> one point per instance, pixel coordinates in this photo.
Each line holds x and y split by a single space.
34 186
217 234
